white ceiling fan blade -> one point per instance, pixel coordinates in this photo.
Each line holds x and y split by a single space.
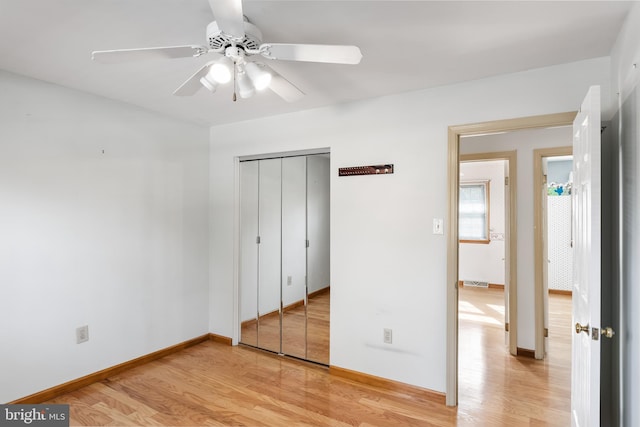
228 15
283 87
336 54
192 85
127 55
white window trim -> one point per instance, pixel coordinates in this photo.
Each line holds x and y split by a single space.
487 200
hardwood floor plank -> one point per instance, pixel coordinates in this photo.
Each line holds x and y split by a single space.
81 413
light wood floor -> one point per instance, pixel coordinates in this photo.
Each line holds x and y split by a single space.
213 384
498 389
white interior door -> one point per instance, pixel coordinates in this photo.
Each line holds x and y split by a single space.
586 193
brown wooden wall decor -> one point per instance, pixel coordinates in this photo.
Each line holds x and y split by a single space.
366 170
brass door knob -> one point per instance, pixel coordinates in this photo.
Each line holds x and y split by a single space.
580 328
607 332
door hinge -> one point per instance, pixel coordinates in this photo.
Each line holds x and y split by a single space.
306 242
546 332
506 180
544 179
506 327
258 240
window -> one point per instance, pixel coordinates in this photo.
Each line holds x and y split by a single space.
473 212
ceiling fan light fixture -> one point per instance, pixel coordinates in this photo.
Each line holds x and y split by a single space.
260 78
211 85
220 72
245 86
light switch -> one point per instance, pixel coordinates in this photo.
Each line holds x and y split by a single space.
438 226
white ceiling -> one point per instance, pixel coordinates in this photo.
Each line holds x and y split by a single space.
406 46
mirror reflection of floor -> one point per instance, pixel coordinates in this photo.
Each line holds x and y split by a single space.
293 330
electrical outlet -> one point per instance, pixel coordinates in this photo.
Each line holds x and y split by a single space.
289 280
387 335
82 334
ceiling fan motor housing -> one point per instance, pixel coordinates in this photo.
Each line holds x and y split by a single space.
220 41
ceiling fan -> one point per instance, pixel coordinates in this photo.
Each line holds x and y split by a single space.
236 44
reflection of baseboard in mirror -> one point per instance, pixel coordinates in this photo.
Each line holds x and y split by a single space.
289 307
324 290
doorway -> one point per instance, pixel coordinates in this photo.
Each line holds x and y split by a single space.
486 239
455 133
284 285
553 240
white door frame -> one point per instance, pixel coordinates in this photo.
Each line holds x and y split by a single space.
455 132
539 240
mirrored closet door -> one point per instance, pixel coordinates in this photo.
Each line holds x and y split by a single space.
284 265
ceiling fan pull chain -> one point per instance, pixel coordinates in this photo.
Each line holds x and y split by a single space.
235 74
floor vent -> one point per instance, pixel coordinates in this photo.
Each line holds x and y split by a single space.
475 284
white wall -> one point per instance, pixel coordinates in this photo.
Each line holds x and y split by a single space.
630 254
625 76
626 81
486 262
388 270
116 241
524 141
559 171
